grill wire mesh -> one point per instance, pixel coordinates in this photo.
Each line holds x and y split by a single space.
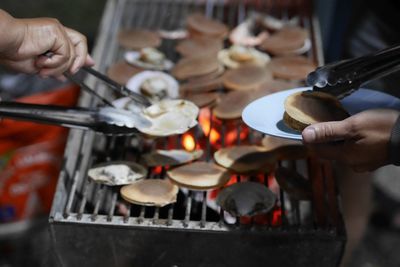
79 200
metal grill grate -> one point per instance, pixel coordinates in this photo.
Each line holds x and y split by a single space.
78 201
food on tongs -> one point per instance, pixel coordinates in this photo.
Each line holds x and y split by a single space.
150 192
294 184
287 41
137 39
121 72
199 25
246 199
246 78
245 159
199 45
291 67
171 157
238 55
191 67
170 117
199 175
305 108
117 172
155 85
148 58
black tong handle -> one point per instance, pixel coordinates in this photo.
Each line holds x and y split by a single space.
343 77
80 118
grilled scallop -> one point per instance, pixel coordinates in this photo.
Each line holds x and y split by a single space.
171 157
303 109
170 117
148 58
191 67
121 72
287 41
137 39
246 199
245 159
291 67
246 77
117 172
150 192
237 56
199 25
199 176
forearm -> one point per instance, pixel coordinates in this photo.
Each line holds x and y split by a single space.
11 32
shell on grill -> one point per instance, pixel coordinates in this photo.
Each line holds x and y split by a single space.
150 192
171 157
246 199
148 58
117 172
238 55
170 117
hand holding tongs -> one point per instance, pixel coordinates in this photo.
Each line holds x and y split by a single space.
344 77
138 98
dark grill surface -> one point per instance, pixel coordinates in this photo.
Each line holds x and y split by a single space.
92 220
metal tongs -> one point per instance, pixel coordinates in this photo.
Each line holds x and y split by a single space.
344 77
106 120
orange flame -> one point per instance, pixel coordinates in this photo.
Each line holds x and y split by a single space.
205 124
188 142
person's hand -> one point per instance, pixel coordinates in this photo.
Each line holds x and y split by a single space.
31 41
361 141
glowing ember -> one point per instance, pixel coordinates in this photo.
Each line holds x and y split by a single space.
205 124
188 142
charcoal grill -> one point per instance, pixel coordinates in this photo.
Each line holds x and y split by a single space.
86 221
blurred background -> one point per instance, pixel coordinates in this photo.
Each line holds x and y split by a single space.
348 29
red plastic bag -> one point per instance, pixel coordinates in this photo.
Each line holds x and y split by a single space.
30 159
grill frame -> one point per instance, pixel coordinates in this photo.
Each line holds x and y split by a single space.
73 232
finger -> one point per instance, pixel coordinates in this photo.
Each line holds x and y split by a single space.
80 48
57 71
51 62
327 132
89 61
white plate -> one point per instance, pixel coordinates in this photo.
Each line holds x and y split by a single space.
265 114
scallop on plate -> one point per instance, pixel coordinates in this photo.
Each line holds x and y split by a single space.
170 117
155 85
148 58
117 172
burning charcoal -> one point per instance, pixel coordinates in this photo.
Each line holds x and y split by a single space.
117 172
171 157
246 159
246 199
293 183
150 192
199 176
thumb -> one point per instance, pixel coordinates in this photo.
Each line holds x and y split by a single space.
327 132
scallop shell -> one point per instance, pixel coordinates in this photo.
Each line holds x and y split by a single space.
246 199
170 117
171 157
133 57
117 172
